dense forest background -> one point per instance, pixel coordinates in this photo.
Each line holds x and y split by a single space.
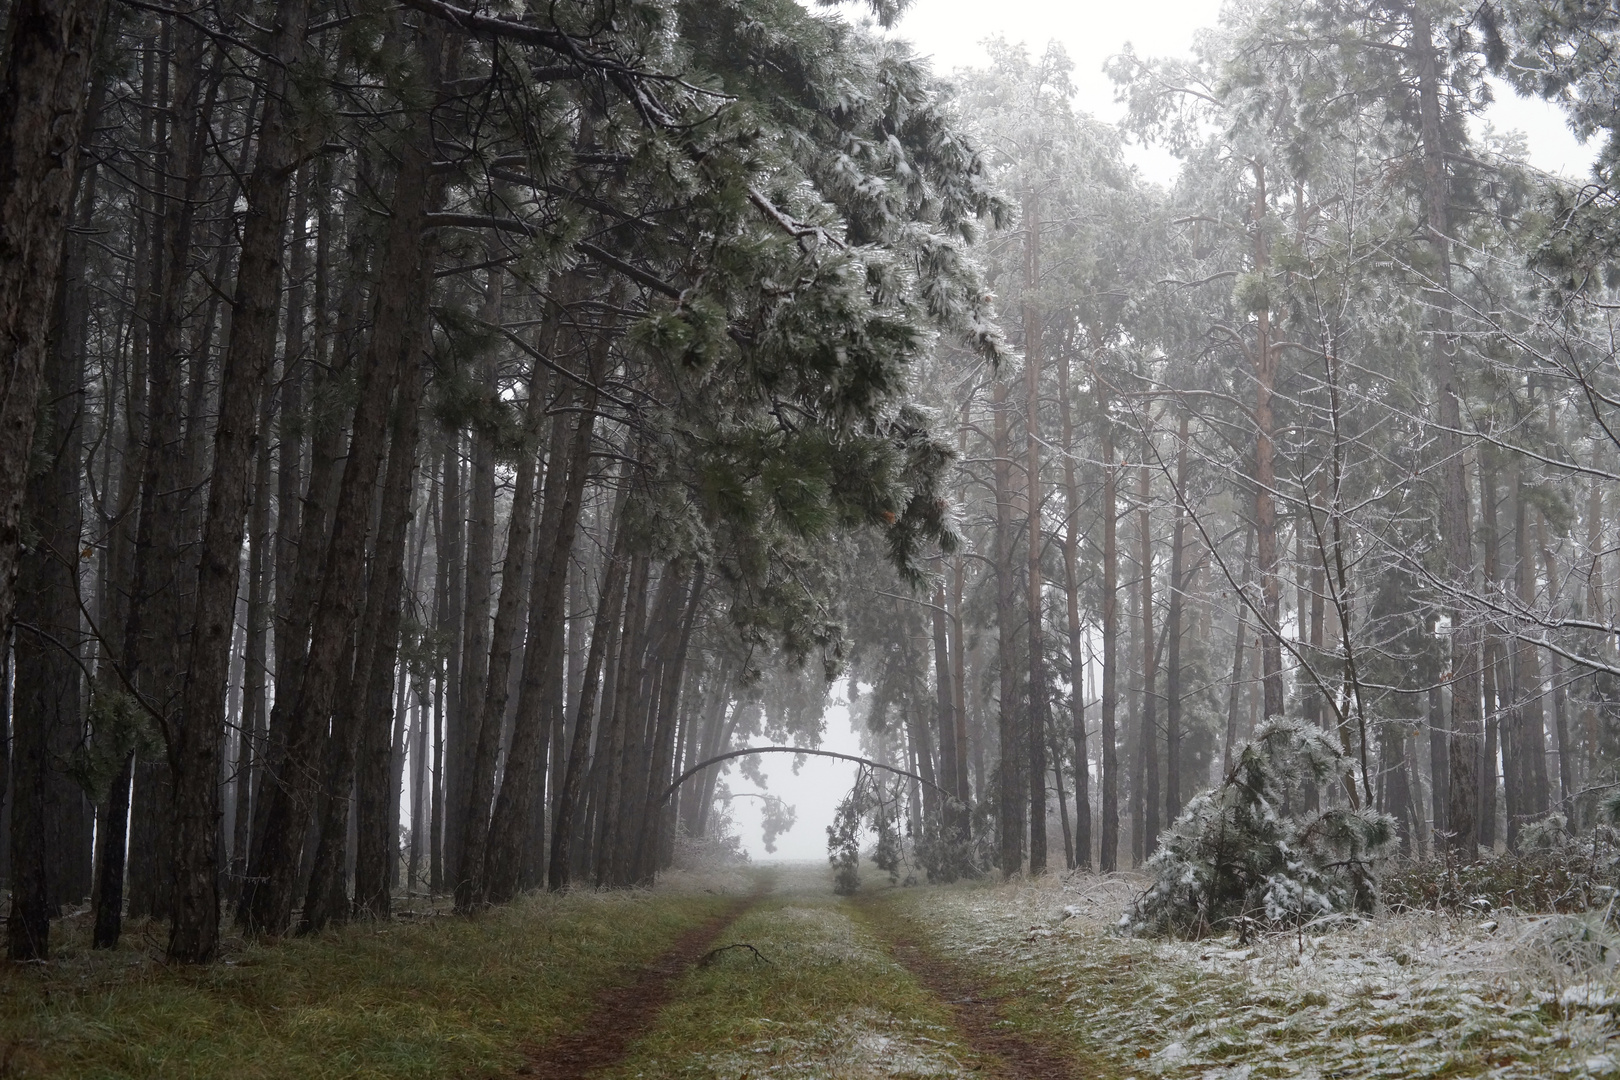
428 432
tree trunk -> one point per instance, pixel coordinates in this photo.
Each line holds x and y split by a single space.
484 729
1265 475
1035 735
376 788
50 827
1010 805
1108 853
1149 746
617 716
1071 590
1530 742
195 933
660 775
268 902
1172 674
580 742
526 762
47 82
1454 516
447 612
1234 687
475 634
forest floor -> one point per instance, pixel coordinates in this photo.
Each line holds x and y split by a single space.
766 973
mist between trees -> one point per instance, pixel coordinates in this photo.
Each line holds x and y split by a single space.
427 432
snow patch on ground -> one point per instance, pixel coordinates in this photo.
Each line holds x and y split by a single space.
1395 996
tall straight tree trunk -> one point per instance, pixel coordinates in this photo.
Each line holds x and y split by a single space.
475 634
617 719
1234 687
1531 743
526 760
1010 808
360 749
1555 673
659 627
376 788
484 732
1071 590
1172 675
660 775
121 525
952 820
301 561
1035 734
447 618
1314 699
1455 538
157 634
282 561
1150 669
195 934
1265 475
47 719
1108 850
580 742
268 902
1397 794
47 81
255 691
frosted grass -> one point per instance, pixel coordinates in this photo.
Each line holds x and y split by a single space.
1408 995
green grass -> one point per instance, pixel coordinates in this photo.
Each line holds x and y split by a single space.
830 1002
430 997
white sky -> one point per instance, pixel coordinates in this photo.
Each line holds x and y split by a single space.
952 32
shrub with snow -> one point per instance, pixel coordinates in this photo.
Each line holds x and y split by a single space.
1235 859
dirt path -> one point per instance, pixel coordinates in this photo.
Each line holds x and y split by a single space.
975 1008
624 1012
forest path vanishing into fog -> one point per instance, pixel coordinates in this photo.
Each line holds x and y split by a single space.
795 981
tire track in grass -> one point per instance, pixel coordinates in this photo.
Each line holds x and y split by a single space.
975 1007
624 1012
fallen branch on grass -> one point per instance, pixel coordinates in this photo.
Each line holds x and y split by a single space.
714 954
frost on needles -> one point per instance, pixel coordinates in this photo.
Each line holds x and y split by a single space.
1241 856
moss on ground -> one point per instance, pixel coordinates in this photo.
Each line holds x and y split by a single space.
436 997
